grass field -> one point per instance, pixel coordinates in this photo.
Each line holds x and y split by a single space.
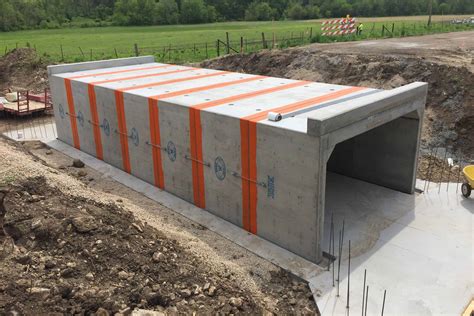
182 43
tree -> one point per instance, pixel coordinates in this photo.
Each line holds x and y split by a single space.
259 11
193 12
296 12
8 16
167 12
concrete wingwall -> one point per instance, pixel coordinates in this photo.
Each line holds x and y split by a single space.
264 178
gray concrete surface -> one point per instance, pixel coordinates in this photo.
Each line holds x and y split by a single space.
217 149
420 248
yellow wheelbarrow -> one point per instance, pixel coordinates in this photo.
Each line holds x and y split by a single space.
468 186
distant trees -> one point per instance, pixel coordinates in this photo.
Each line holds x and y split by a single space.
296 11
259 11
167 12
196 11
28 14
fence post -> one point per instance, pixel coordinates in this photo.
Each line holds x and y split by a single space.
241 44
218 47
207 52
383 30
136 49
116 54
228 42
83 56
62 53
273 42
310 33
264 44
194 49
393 28
169 53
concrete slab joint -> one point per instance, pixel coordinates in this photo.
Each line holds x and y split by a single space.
206 137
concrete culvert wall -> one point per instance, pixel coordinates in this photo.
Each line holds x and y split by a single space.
211 138
383 156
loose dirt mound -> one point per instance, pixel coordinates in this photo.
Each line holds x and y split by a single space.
449 117
72 255
22 69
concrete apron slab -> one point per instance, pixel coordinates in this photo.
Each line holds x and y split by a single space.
417 247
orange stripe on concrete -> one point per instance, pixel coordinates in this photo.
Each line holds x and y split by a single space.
72 113
161 83
194 163
244 157
249 95
205 88
196 133
253 176
119 71
305 103
156 141
248 131
95 123
198 126
122 125
144 76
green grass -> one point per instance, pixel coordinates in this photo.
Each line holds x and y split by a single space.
188 42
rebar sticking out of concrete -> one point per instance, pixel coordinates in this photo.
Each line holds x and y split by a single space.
383 302
363 291
442 170
332 250
339 262
427 171
430 172
459 174
348 276
329 247
366 300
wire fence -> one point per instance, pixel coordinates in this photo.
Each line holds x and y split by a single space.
195 52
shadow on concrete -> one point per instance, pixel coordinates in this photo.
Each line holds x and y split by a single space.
366 210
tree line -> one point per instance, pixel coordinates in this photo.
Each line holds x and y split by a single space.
31 14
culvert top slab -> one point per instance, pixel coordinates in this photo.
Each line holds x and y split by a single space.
250 149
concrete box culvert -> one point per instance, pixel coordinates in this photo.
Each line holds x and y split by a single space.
207 137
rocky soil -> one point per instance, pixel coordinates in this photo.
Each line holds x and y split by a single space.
23 69
66 248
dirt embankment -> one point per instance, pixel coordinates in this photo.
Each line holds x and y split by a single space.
67 246
449 118
23 69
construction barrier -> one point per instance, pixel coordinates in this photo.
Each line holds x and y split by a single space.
339 27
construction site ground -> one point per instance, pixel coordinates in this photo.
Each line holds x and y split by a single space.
77 241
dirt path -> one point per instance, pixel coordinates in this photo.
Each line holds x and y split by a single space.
78 242
455 48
